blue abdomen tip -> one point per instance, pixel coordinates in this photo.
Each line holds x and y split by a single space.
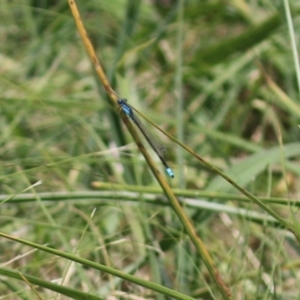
170 172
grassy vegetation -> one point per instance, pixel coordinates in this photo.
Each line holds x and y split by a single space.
82 215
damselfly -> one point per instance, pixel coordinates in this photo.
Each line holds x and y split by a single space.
158 149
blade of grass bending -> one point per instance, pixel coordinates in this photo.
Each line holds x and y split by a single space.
200 246
85 262
286 224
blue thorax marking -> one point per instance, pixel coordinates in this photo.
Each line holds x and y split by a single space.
125 107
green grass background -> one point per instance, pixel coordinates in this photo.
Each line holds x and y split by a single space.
198 70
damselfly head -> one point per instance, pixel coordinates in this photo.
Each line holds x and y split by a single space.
122 101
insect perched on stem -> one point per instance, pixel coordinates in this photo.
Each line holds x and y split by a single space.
158 149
